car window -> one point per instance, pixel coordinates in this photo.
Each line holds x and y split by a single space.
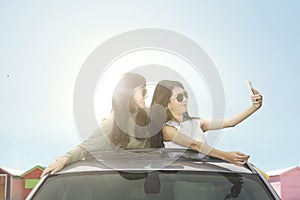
153 185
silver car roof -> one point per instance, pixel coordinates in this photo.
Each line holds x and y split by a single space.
153 159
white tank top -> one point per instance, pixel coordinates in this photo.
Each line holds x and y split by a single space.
190 128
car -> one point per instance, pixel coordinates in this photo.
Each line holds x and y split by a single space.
153 174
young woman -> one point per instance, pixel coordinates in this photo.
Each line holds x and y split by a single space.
120 129
181 130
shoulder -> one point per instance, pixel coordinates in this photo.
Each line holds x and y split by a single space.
171 123
107 123
108 119
170 126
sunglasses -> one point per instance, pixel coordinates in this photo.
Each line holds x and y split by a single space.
179 96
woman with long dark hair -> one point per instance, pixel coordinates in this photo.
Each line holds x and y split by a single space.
122 129
182 131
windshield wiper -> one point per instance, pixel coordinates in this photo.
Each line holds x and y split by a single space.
237 182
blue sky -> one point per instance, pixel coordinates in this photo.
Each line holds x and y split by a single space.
44 44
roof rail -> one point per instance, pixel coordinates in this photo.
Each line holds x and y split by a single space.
152 153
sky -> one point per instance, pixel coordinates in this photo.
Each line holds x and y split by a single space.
44 45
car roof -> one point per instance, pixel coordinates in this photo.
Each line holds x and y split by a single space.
153 159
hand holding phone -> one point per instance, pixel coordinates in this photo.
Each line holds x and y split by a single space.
256 97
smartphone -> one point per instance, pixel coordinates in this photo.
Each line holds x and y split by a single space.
251 86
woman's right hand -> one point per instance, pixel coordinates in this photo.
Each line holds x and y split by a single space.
236 158
56 166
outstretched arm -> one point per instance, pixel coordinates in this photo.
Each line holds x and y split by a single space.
171 134
95 142
256 98
234 157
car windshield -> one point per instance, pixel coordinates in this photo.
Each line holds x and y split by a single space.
153 185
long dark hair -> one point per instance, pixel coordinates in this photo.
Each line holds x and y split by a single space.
123 107
162 94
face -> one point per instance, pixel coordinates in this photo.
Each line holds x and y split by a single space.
178 101
139 96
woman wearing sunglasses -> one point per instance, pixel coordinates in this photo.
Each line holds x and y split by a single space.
119 130
183 131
